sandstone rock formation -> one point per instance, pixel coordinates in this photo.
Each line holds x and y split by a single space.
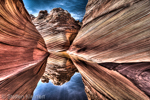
32 17
114 31
59 69
22 52
112 49
58 29
102 83
114 35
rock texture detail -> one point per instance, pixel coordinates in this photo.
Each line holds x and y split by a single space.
114 35
58 29
112 49
114 31
22 51
102 83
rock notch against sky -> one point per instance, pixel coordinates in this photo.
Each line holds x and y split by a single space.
111 50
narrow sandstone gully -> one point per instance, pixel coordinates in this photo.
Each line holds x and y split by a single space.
22 45
58 30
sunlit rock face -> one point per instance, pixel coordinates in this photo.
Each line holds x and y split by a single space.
57 28
59 69
22 52
114 42
112 49
114 31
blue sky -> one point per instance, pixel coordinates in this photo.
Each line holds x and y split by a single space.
72 90
75 7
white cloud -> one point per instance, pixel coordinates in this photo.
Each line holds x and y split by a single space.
30 11
76 16
35 14
61 3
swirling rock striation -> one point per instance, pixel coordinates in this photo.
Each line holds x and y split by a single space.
114 31
113 45
23 51
104 84
114 35
58 29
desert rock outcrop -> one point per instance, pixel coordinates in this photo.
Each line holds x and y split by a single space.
32 17
111 50
58 29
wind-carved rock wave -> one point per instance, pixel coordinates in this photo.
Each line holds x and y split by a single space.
111 51
118 32
23 52
104 84
114 35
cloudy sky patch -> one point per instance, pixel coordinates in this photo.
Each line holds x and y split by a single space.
75 7
72 90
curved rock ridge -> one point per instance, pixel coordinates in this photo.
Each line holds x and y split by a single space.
114 35
58 28
59 69
114 31
23 51
104 84
138 73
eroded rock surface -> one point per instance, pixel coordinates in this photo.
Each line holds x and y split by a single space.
114 35
58 29
113 45
22 52
104 84
114 31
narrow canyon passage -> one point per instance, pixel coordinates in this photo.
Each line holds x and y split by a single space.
110 49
